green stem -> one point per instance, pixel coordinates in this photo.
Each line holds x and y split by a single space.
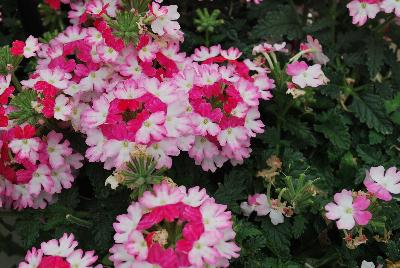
207 41
301 53
269 193
270 63
279 124
281 193
78 221
16 83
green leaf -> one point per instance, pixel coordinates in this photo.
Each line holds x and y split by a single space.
330 90
393 105
375 55
300 130
278 238
375 137
97 177
369 109
299 226
245 229
24 112
369 154
279 23
28 230
333 127
233 188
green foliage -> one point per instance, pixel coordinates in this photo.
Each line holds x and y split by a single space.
138 6
375 55
207 21
24 112
8 63
126 27
278 238
334 128
279 23
368 109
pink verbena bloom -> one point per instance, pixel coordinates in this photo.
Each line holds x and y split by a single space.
267 48
306 76
362 10
348 211
262 206
390 6
164 22
206 237
382 184
316 53
60 253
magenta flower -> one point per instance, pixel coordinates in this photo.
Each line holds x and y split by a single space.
174 227
61 253
348 211
382 183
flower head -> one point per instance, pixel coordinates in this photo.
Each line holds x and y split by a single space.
348 210
383 184
203 233
61 253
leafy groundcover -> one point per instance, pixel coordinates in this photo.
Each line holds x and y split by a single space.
139 133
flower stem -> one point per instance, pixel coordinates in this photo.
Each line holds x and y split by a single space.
16 83
301 53
78 221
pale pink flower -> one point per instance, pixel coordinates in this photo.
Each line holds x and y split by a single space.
203 250
163 194
204 53
31 46
390 6
41 179
152 129
92 118
56 150
304 75
361 10
60 253
382 184
232 137
348 211
316 53
231 54
62 108
165 20
26 148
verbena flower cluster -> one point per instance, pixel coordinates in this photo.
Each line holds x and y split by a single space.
174 227
362 10
34 166
61 253
151 94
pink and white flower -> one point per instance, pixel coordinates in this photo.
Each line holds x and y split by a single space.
60 253
206 237
362 10
383 184
306 76
348 210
